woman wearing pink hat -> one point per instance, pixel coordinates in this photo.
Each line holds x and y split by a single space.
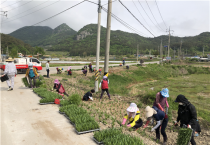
59 88
133 114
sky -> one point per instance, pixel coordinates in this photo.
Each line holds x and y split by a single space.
185 18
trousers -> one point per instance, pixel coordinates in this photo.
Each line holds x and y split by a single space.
11 78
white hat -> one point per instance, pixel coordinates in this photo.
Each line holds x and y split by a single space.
132 108
150 111
9 59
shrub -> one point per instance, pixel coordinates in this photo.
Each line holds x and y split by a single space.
75 99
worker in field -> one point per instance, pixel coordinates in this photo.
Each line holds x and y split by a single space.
161 119
123 62
48 68
11 72
105 87
31 73
59 88
88 96
133 115
90 67
69 72
161 101
187 115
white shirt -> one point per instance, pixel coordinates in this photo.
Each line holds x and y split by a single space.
47 66
10 69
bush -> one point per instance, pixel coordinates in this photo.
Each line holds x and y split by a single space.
75 99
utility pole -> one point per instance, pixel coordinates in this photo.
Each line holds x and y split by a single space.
98 46
180 50
169 41
161 50
106 64
137 52
4 14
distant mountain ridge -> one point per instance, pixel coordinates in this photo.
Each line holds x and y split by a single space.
43 35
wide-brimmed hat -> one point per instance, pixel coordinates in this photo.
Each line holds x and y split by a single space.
9 59
56 81
165 92
150 111
132 108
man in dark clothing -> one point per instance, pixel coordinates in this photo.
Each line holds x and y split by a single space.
187 115
90 67
88 96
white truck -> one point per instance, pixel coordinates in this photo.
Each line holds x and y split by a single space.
22 63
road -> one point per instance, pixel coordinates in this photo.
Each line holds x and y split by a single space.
25 122
53 69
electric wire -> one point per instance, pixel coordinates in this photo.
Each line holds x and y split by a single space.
31 13
136 18
124 23
160 13
141 15
147 15
11 4
28 9
3 1
153 15
21 5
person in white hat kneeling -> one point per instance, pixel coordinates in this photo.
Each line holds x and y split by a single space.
133 114
161 118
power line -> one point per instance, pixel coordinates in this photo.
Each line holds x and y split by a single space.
136 18
31 13
147 14
124 23
141 15
59 13
21 5
153 15
28 9
11 4
120 20
160 13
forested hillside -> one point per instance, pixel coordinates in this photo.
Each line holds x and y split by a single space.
43 35
15 44
84 42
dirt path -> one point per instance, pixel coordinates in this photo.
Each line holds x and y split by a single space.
25 122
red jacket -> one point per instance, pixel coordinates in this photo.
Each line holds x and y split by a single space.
104 84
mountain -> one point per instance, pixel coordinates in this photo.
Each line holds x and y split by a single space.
12 42
43 35
121 43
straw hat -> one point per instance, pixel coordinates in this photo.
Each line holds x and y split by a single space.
9 59
150 111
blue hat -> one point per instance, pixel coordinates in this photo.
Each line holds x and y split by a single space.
164 93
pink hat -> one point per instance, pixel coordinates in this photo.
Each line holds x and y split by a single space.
132 108
104 77
56 81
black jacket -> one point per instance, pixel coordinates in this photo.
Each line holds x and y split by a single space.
187 114
86 96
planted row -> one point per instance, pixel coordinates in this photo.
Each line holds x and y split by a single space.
184 136
115 136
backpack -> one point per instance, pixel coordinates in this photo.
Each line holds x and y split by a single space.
57 101
105 84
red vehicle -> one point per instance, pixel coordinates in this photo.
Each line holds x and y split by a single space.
22 63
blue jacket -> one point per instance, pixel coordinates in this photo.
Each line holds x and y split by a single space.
160 114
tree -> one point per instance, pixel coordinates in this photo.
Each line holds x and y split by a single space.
13 52
39 50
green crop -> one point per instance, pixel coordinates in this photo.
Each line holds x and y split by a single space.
184 136
103 134
75 99
25 81
91 125
122 139
64 102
